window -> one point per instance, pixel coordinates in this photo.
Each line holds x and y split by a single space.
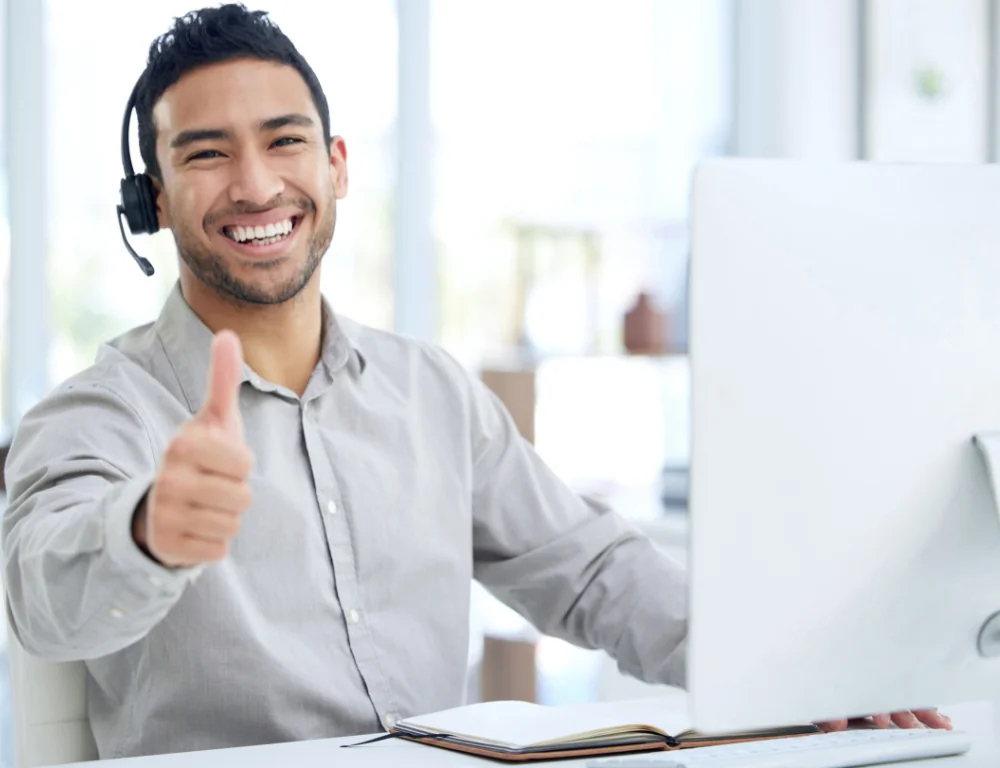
351 44
566 132
5 418
4 308
96 291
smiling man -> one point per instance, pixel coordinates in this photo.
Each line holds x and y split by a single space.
252 225
257 521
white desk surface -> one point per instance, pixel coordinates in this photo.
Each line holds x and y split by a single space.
977 719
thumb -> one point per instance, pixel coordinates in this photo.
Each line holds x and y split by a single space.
225 375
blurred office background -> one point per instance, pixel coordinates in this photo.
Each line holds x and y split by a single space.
519 174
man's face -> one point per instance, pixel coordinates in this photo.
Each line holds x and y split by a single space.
249 187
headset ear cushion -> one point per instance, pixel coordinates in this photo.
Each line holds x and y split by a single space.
147 202
131 206
139 204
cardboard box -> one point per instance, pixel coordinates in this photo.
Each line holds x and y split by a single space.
516 390
508 670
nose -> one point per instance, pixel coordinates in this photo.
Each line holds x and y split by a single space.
255 181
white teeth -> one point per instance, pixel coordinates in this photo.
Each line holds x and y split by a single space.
260 235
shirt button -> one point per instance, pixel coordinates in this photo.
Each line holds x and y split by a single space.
331 507
155 580
390 720
354 616
118 613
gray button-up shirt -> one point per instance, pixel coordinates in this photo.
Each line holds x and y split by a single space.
344 602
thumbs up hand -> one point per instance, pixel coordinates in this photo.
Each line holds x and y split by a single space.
221 408
195 505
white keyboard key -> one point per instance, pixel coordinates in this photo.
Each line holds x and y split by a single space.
846 749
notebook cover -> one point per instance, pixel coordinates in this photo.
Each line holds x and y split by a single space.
694 742
591 750
551 754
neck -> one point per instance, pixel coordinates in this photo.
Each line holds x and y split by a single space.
281 342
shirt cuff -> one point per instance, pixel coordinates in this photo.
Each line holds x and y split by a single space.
145 575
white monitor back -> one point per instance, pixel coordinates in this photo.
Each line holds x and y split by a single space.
845 348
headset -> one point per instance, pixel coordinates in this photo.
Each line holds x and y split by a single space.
138 198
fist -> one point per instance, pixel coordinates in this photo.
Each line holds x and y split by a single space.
195 505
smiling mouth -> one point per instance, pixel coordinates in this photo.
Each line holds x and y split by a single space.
266 235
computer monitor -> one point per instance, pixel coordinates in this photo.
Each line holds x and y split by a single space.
845 351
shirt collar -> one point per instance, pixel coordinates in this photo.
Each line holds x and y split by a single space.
187 342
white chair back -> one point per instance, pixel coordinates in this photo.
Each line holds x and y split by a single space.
49 699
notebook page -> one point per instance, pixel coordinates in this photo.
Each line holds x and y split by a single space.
659 713
521 724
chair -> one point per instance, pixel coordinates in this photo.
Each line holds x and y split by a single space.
50 710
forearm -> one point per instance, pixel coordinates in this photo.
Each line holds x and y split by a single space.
603 585
78 586
644 612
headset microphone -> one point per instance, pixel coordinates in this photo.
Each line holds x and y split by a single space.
138 198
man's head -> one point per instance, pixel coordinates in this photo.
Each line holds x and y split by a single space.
234 129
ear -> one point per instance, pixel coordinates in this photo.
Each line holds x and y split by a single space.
338 166
162 209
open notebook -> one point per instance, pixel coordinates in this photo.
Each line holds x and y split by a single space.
517 730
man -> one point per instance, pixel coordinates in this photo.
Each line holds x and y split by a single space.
257 521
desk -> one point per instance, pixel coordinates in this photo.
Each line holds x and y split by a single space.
977 719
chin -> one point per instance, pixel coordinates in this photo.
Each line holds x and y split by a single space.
268 281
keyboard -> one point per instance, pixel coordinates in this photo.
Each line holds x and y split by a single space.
843 749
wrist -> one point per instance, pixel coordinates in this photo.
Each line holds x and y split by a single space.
140 530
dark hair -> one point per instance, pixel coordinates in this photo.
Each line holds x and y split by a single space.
210 36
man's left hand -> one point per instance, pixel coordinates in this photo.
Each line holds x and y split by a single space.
918 718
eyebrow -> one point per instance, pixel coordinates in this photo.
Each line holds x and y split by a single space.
275 123
185 138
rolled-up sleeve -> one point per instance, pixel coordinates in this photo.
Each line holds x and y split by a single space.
574 568
77 584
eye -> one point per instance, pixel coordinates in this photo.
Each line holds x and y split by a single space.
205 154
286 141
